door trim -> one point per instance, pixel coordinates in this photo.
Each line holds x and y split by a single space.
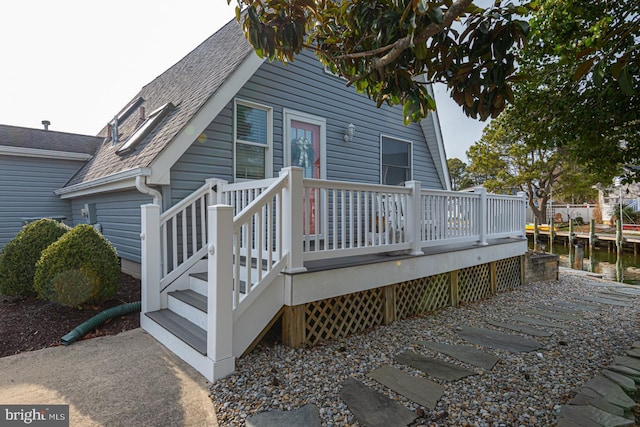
289 115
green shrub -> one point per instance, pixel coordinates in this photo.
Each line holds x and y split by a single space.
80 268
18 258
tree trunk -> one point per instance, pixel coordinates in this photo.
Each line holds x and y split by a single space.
540 211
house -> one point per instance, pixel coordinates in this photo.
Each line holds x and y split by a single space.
246 192
33 164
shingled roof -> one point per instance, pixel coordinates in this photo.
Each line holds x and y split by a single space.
39 139
187 85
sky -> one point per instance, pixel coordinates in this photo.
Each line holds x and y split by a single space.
76 63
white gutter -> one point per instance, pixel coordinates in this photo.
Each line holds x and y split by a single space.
141 185
45 154
104 181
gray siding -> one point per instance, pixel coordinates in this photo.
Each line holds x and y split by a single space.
26 191
119 215
305 87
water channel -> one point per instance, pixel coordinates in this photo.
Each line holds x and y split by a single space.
625 268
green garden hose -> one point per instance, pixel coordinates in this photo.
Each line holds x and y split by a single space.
97 320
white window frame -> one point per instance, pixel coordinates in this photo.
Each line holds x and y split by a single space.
289 115
382 136
268 155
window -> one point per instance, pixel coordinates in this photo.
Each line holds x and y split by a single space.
147 126
253 138
396 160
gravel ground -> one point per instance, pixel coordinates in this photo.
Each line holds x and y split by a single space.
523 389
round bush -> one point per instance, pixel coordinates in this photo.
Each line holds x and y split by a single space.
18 258
80 268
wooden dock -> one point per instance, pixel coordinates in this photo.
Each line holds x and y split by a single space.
608 240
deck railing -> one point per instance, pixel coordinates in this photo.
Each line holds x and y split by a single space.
252 231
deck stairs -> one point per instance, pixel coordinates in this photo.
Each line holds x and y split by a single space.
186 314
190 300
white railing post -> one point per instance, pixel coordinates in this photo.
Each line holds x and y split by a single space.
414 217
292 216
151 257
523 213
220 290
482 215
216 196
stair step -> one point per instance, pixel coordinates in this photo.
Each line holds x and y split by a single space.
193 335
191 298
204 276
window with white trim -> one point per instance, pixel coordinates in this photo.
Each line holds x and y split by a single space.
395 160
253 138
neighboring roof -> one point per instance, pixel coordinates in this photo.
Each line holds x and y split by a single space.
28 139
187 85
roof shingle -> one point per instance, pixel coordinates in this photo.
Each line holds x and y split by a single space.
188 85
40 139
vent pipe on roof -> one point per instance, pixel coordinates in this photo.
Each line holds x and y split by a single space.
46 124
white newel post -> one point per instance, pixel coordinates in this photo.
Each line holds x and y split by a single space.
292 217
413 219
215 196
151 257
482 215
220 291
522 213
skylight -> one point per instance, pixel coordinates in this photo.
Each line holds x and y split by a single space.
149 124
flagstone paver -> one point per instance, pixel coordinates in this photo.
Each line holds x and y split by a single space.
539 322
420 390
587 416
434 367
631 362
373 409
494 339
634 352
625 370
623 381
558 308
307 415
587 396
583 306
611 392
464 353
608 301
551 315
521 328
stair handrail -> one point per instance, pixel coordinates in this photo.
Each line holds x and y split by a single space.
251 220
173 268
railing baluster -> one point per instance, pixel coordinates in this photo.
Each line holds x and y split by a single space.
259 242
194 230
174 242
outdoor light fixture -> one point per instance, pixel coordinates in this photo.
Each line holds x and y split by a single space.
351 131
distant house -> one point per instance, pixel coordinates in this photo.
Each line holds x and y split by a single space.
33 164
289 197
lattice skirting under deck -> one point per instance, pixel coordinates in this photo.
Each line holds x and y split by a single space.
328 319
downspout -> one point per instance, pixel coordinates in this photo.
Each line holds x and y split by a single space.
141 185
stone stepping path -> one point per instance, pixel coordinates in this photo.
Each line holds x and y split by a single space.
590 416
434 367
521 328
558 308
551 315
608 301
464 353
372 409
538 322
307 415
634 352
420 390
494 339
